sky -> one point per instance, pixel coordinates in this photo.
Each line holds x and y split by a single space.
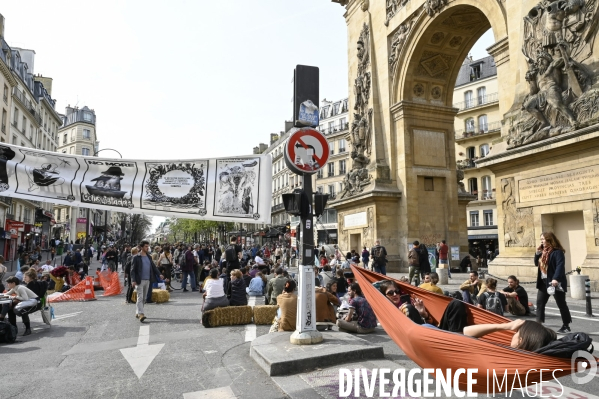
183 79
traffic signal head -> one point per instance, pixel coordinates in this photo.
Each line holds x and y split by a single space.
320 203
296 203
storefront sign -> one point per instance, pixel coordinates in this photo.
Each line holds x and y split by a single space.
82 220
355 220
555 185
13 227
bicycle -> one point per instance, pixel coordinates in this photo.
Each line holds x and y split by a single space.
176 277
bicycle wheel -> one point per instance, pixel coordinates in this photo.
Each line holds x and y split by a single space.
176 277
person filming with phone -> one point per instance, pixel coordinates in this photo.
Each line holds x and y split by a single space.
551 279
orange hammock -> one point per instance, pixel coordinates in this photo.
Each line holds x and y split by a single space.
435 348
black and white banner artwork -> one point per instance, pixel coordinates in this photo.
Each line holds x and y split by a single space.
237 189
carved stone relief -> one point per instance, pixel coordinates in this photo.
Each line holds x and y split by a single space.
596 220
518 224
392 7
456 41
418 90
437 37
558 38
397 43
434 65
436 93
434 6
343 241
464 21
460 178
361 127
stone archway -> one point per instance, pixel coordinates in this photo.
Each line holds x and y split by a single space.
404 56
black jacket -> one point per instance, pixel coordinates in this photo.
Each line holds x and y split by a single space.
425 265
238 294
556 270
136 266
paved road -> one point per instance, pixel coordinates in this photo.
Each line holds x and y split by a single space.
81 355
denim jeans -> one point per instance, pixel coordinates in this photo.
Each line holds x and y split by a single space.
382 269
192 276
142 292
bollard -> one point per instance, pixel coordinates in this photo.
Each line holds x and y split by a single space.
587 287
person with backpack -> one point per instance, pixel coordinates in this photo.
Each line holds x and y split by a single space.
378 254
493 300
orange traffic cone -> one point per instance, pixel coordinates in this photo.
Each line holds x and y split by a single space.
76 293
115 287
89 295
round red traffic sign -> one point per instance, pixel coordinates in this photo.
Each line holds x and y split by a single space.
306 151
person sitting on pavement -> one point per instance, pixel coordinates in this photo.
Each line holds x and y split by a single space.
25 300
472 288
21 272
326 275
466 264
485 299
341 283
246 276
517 298
323 261
332 288
366 320
431 284
214 292
47 267
256 287
325 311
254 270
275 286
258 259
237 289
287 302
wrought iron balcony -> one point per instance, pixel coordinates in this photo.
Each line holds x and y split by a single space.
477 101
478 130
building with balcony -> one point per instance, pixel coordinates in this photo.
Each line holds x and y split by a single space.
334 124
29 119
477 125
77 136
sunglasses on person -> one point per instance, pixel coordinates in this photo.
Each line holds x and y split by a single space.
392 293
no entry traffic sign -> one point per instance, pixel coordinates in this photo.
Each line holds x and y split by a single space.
306 151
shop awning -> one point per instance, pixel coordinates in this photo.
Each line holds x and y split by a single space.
483 237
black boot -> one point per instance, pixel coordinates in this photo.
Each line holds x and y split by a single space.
27 331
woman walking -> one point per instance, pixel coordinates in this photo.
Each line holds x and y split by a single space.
551 279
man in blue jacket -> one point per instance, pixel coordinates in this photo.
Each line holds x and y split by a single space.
143 274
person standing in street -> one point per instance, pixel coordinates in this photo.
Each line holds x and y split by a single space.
187 269
443 259
143 274
551 279
378 253
365 257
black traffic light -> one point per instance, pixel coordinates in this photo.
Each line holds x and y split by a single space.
320 203
296 203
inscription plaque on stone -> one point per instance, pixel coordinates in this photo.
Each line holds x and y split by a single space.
555 185
355 220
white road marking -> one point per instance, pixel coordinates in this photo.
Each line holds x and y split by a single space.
575 317
250 332
210 352
217 393
571 311
65 316
140 357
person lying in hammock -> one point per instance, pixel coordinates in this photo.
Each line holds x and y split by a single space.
529 336
454 318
